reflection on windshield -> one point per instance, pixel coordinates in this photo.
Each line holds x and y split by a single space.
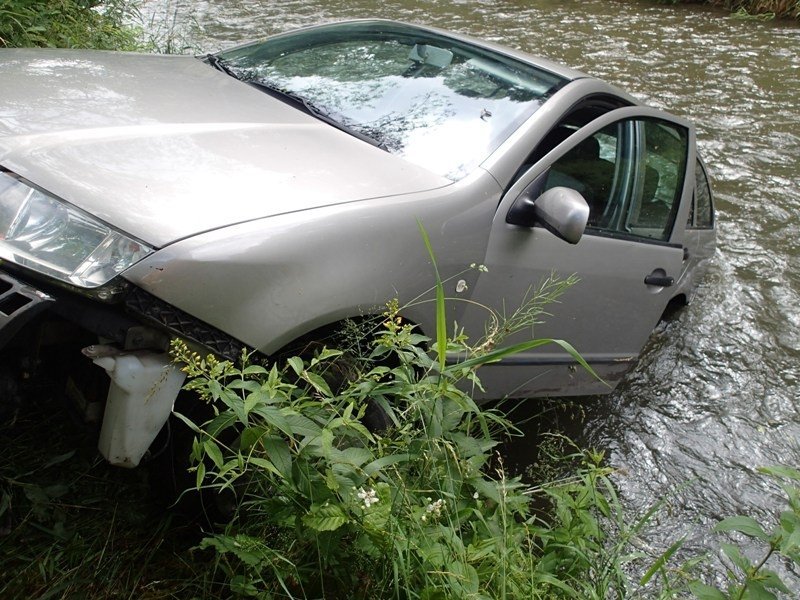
436 102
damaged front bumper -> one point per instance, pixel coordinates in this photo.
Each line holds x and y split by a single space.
134 334
19 303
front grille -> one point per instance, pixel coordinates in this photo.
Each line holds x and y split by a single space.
183 324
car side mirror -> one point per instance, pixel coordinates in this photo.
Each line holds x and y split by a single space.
561 210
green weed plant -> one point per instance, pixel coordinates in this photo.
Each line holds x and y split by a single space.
103 25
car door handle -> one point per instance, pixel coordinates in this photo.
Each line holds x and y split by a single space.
659 279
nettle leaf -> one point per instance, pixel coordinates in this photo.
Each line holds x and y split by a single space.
318 383
296 363
213 452
254 370
705 592
263 463
244 384
278 453
756 591
354 456
380 463
200 475
300 424
745 525
772 580
781 471
274 417
328 517
242 586
736 556
250 436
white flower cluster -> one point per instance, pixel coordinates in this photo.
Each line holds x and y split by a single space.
481 268
368 497
433 510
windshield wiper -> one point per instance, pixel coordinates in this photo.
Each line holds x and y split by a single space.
313 110
220 65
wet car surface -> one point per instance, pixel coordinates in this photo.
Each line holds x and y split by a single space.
256 196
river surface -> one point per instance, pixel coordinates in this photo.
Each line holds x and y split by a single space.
716 392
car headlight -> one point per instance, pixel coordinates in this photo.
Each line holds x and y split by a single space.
47 235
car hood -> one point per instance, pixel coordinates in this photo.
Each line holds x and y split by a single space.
164 147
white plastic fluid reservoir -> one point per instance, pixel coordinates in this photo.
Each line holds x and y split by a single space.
143 389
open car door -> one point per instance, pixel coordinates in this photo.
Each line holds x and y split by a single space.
634 167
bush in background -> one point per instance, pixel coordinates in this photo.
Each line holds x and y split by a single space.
68 24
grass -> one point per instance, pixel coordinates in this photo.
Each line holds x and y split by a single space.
71 526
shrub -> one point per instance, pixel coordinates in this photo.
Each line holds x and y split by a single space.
68 24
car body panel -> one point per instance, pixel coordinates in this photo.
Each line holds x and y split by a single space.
268 224
611 290
283 269
184 161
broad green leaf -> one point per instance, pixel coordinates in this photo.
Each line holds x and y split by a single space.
746 525
705 592
434 554
557 583
250 437
772 580
781 471
248 385
296 363
756 591
326 441
274 417
299 424
241 586
200 475
318 383
278 453
213 452
353 456
736 556
379 464
328 517
252 400
254 370
264 464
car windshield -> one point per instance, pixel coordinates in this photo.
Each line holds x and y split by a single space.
438 102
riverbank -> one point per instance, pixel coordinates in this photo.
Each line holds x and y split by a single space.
782 9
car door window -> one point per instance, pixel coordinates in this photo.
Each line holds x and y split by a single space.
702 213
631 175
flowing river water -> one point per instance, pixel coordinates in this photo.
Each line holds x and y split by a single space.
716 393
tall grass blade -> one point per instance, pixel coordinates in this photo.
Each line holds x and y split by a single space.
441 322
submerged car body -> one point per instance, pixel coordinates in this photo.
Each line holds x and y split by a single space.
254 197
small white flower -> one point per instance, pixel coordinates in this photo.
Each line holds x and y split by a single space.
368 497
435 508
476 495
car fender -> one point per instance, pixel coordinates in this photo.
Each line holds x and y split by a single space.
270 281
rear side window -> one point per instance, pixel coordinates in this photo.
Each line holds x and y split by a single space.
702 213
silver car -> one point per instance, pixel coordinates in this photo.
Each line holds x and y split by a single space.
267 193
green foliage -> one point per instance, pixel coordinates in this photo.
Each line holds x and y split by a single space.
763 10
753 580
68 24
72 526
419 508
